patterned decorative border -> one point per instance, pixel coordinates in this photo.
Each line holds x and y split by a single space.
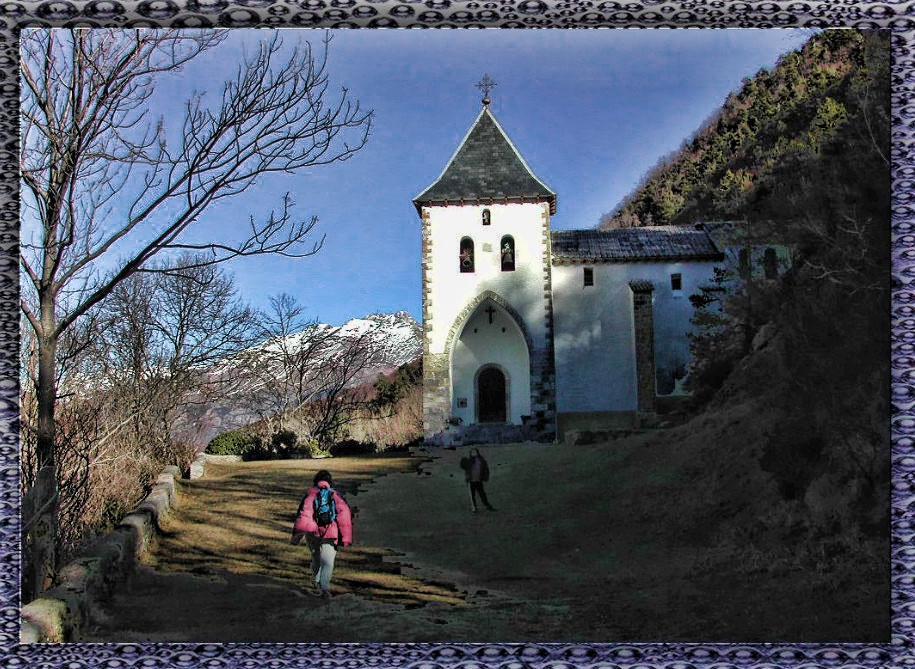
892 14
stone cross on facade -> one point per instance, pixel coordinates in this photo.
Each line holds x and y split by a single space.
489 310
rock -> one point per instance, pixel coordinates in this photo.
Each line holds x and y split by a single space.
139 526
195 471
29 632
166 482
46 615
763 336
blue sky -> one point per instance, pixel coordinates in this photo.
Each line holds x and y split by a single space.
590 110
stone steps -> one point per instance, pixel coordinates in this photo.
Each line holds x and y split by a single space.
489 433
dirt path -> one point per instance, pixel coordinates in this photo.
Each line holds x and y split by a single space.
223 568
609 542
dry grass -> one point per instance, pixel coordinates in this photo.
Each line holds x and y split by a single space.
608 542
239 517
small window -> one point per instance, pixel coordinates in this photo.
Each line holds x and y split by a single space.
507 251
770 263
676 282
465 258
743 259
589 276
486 217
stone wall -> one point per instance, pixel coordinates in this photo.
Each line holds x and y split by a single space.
644 345
62 613
543 362
436 394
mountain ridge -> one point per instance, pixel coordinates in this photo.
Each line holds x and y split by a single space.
397 336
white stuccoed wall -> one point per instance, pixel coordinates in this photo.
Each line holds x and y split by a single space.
450 291
593 330
500 343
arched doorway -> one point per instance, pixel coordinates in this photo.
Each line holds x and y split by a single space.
491 396
491 335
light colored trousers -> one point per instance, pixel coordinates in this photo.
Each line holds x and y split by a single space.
322 561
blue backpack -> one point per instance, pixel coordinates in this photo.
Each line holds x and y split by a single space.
325 507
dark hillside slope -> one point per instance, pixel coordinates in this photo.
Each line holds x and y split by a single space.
791 375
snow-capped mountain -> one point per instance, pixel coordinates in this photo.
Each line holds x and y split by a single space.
395 338
397 334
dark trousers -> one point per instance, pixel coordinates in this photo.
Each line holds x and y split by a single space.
476 488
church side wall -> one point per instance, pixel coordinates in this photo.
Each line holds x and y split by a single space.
595 351
594 332
672 314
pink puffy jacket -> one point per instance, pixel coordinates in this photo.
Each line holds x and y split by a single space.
341 530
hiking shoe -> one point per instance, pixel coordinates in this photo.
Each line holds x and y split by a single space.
325 594
491 508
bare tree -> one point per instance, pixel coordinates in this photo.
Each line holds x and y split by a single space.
336 396
277 371
309 376
96 174
162 338
153 352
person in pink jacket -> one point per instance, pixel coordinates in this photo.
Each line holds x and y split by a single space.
323 540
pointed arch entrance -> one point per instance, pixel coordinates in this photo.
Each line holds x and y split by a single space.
490 362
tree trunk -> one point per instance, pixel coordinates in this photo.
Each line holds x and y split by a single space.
41 539
40 535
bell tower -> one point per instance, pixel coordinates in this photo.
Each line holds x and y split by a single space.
488 367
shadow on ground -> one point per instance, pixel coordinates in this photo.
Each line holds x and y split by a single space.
627 540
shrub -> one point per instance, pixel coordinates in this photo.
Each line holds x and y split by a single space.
283 442
312 449
232 442
352 447
284 438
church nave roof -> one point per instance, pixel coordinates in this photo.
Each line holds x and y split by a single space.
633 244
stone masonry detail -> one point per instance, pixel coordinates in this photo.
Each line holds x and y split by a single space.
643 322
436 372
543 372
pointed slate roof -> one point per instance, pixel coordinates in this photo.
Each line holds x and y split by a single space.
655 243
486 169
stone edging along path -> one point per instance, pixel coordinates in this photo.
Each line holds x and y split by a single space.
61 613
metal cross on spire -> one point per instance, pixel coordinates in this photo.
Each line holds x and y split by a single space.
485 85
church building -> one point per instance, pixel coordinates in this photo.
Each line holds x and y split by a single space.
530 332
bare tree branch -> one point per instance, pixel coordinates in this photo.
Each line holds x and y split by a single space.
97 174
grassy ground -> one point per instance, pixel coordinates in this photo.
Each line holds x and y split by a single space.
607 542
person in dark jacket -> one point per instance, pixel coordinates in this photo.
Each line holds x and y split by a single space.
323 540
476 472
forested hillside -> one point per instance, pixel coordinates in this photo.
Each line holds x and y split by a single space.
828 98
790 374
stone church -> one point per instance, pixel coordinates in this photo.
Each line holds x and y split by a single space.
530 332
